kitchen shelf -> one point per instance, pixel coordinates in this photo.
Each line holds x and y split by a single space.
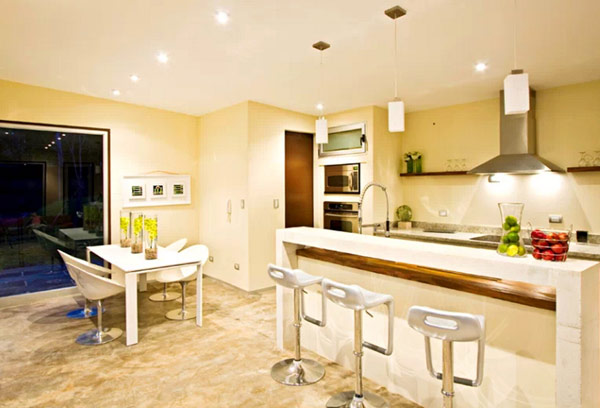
582 169
436 173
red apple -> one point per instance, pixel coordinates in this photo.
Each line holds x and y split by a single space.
558 248
560 258
548 255
543 244
552 238
535 243
537 254
563 237
538 234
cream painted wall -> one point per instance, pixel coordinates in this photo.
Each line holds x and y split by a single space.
568 121
142 140
223 176
266 182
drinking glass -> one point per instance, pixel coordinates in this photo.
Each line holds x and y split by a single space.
585 160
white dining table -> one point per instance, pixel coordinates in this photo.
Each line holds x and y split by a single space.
134 265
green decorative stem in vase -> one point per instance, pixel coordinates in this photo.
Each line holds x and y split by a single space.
151 233
418 166
409 166
125 229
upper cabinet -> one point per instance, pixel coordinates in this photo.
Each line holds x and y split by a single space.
346 139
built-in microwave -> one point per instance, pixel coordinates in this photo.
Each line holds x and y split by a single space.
342 179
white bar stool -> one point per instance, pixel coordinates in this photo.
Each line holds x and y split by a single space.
297 371
449 327
358 299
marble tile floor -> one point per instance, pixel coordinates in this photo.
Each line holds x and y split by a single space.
226 363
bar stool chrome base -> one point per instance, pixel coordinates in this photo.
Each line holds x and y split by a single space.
179 314
164 296
297 372
349 399
95 337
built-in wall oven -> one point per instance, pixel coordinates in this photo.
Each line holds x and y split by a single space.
340 216
342 179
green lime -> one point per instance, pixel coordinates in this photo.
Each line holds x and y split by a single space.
511 220
516 228
502 248
522 251
513 237
506 226
505 239
512 250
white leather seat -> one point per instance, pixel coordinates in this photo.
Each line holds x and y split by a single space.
297 371
165 296
358 299
183 275
449 327
95 288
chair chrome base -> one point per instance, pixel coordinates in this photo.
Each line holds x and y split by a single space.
164 297
297 372
95 338
179 314
350 400
80 313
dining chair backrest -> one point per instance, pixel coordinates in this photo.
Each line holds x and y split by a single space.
91 285
90 267
190 272
177 245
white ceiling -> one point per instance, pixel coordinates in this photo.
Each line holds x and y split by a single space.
264 53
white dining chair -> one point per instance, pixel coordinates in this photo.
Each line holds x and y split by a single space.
165 296
94 288
184 275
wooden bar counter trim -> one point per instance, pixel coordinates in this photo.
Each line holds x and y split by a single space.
543 297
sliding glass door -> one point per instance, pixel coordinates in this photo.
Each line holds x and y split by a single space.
53 196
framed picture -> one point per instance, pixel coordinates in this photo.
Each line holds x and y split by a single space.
137 191
158 190
168 189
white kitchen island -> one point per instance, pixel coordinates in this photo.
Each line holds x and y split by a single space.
535 357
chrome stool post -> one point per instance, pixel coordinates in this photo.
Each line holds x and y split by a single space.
100 335
298 371
83 312
449 327
358 299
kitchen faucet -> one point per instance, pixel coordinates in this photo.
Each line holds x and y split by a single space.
387 206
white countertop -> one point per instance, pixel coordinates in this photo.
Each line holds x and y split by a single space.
476 261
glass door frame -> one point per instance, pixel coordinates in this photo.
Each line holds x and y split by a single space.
105 133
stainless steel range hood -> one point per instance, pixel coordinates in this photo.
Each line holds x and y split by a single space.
517 145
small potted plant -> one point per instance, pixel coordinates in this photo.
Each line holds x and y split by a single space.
409 162
417 160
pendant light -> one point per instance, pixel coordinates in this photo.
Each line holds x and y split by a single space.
396 107
321 123
516 85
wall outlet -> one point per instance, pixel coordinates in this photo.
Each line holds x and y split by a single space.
242 204
555 219
211 258
236 266
276 203
443 213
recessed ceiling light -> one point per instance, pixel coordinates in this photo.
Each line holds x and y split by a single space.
53 142
162 57
481 66
320 106
63 135
58 138
134 78
46 147
116 92
6 133
222 17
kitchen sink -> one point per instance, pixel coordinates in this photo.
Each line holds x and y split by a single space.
495 239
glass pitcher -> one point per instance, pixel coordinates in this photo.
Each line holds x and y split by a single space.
511 242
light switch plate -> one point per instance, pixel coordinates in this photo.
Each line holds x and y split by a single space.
443 213
236 266
555 218
276 203
242 204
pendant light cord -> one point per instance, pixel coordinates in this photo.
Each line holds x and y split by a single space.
515 34
396 59
321 81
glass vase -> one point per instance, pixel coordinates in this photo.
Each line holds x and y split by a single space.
409 166
511 242
137 233
151 235
418 166
125 229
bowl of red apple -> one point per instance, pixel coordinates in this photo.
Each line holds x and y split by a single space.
550 245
